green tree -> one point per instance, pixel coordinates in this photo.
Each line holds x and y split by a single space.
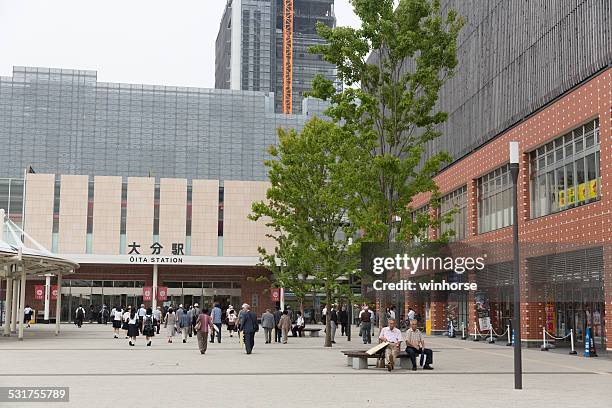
393 67
306 207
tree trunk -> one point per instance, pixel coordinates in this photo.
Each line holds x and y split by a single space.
328 342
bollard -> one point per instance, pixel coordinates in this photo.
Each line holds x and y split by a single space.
544 347
573 351
509 343
475 333
491 340
463 336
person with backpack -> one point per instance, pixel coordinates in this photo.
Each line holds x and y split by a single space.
79 316
157 315
148 326
249 326
125 318
133 327
184 325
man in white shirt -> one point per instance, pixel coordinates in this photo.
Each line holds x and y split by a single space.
142 312
410 314
393 336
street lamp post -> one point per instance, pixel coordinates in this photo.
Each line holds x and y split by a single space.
516 320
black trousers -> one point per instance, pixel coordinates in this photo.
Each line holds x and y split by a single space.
343 328
412 353
295 330
249 341
277 334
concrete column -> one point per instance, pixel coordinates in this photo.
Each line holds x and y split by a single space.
154 301
47 296
22 300
15 305
9 304
58 304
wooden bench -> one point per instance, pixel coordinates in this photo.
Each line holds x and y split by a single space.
358 359
313 332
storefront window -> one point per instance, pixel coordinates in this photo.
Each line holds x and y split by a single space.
569 177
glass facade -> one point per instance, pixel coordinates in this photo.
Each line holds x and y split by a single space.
565 173
11 198
455 203
495 200
65 122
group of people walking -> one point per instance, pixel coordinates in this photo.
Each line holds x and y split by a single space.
135 322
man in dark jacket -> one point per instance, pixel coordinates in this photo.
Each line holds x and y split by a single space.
343 321
249 326
277 330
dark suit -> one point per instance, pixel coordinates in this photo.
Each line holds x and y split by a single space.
277 331
343 321
248 324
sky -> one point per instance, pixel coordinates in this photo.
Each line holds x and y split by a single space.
130 41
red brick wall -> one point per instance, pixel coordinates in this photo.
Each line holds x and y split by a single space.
587 224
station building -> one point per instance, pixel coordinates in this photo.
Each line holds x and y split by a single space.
148 188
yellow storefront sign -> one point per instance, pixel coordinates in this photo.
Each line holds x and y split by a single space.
593 188
582 191
571 195
562 198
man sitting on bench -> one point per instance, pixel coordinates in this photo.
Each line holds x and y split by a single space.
393 336
298 327
415 344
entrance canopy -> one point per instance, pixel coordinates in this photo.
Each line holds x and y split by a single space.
17 261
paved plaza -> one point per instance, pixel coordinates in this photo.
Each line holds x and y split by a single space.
106 372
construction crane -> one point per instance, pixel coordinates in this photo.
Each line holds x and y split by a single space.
287 56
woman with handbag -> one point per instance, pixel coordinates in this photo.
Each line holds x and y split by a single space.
203 325
170 324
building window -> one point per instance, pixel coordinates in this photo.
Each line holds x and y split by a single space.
156 211
495 200
418 216
565 172
455 204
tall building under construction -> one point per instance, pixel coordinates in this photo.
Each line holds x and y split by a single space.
262 45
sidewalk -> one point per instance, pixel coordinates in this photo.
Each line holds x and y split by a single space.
101 371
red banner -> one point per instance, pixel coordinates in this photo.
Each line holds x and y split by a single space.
275 294
147 293
162 292
53 292
39 292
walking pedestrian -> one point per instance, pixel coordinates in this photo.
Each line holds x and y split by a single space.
248 324
142 312
27 315
116 315
184 325
124 320
215 315
194 317
203 326
285 325
277 330
267 322
232 319
366 325
79 316
343 316
133 327
170 324
157 316
148 326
